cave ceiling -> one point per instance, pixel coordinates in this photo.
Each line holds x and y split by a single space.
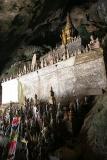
39 23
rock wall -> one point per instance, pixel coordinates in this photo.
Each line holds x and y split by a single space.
93 135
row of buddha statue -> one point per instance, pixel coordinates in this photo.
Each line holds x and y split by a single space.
52 59
35 101
45 120
59 54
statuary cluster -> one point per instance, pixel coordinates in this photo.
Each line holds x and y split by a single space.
42 126
71 46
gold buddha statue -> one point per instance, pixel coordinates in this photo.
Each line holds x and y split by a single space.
64 37
67 31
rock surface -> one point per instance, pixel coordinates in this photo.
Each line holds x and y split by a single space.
94 131
39 23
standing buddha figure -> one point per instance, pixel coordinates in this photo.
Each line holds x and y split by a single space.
67 31
64 37
52 99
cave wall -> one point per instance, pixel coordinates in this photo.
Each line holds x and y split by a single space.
40 22
93 135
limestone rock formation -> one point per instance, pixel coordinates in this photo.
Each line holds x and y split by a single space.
40 22
94 131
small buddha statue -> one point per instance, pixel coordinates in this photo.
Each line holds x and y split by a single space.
97 44
36 100
68 55
42 63
25 69
64 56
52 99
79 51
94 43
34 61
64 37
71 112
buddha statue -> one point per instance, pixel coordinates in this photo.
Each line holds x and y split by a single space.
64 37
42 63
94 43
52 99
36 101
67 31
34 61
25 69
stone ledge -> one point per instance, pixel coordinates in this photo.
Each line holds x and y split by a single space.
89 56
